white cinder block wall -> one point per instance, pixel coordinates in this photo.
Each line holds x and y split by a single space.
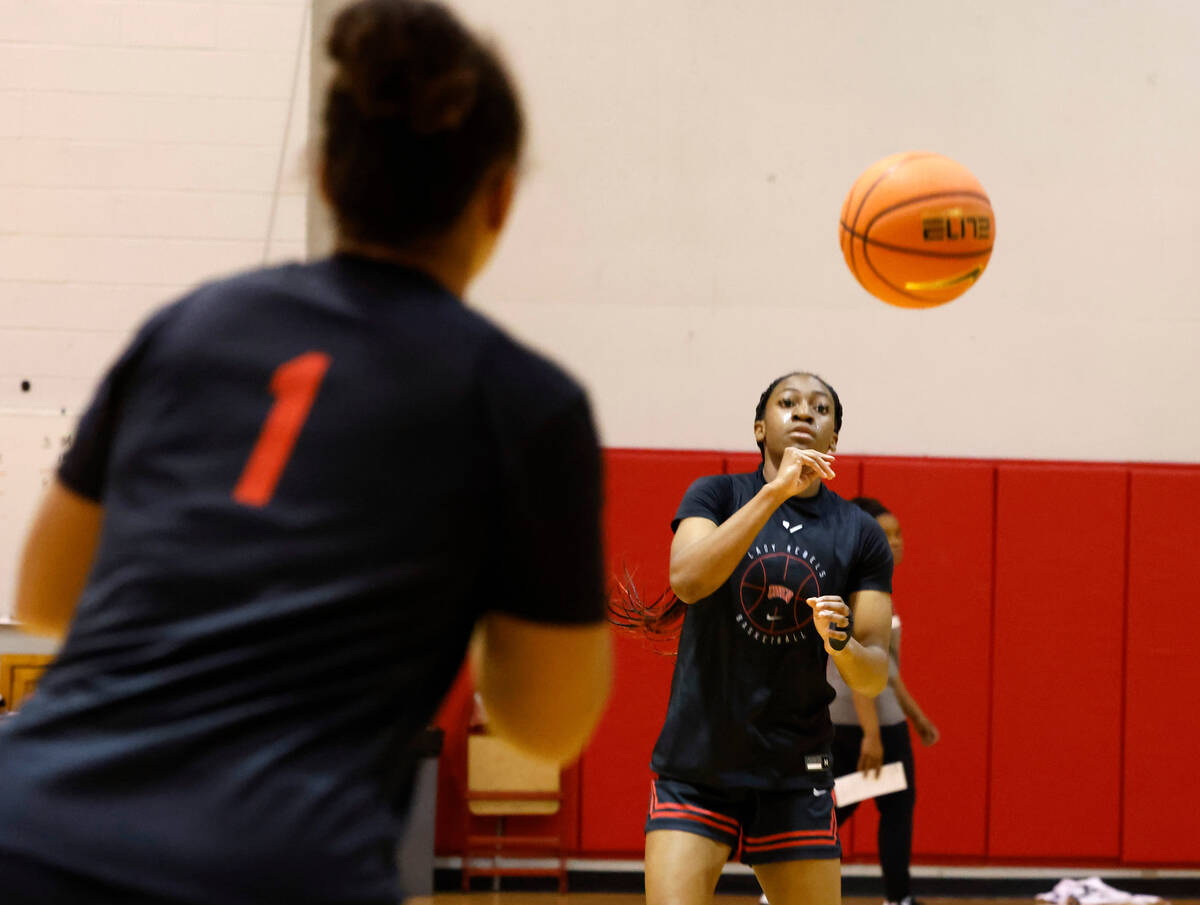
675 238
145 145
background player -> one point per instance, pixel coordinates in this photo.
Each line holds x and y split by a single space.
290 503
765 568
871 732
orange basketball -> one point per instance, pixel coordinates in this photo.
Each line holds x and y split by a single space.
917 229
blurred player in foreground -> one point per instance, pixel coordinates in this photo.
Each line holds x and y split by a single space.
291 502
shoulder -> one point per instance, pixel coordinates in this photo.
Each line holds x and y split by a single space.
517 377
224 293
713 486
737 488
713 496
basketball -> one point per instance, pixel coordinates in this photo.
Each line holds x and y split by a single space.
917 229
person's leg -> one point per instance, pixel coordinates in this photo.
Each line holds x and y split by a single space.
817 882
791 841
847 743
690 832
896 816
682 868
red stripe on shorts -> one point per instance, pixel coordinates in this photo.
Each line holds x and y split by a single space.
798 837
690 812
799 843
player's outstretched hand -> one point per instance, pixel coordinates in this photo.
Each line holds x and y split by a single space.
801 468
831 616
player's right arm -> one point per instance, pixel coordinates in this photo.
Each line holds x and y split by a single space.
542 656
704 554
544 686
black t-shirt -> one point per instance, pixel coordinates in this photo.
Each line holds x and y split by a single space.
748 697
315 479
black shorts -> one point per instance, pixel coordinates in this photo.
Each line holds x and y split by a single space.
760 825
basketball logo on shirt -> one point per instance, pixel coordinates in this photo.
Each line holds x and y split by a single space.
774 591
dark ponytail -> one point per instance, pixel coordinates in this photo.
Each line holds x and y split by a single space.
417 112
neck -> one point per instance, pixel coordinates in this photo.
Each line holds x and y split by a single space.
438 259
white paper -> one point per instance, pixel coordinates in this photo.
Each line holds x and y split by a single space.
859 786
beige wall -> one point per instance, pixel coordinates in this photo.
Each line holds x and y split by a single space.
144 146
675 241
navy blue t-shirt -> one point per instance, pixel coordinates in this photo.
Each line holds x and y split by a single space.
315 479
748 697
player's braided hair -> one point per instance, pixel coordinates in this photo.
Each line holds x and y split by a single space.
417 112
657 621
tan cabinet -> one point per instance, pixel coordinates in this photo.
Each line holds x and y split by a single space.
19 674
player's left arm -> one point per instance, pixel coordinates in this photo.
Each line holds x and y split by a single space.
56 560
863 662
925 727
65 533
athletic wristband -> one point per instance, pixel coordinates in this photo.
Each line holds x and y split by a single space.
849 630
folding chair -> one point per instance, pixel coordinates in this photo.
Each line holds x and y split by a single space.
503 782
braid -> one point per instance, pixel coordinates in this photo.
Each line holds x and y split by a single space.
658 621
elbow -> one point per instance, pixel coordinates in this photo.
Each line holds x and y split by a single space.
874 684
870 684
34 620
877 686
557 737
551 713
685 587
53 631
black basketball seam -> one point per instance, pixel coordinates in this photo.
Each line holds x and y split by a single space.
915 155
891 285
912 251
867 240
920 199
850 244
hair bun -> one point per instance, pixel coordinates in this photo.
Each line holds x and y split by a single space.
405 60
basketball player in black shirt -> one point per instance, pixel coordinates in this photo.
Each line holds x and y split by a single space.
767 569
291 502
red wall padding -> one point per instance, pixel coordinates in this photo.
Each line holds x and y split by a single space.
643 491
1162 691
942 593
1056 711
1047 611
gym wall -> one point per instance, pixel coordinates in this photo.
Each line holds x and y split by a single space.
144 146
675 245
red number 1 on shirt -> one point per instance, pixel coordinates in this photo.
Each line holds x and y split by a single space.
294 386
